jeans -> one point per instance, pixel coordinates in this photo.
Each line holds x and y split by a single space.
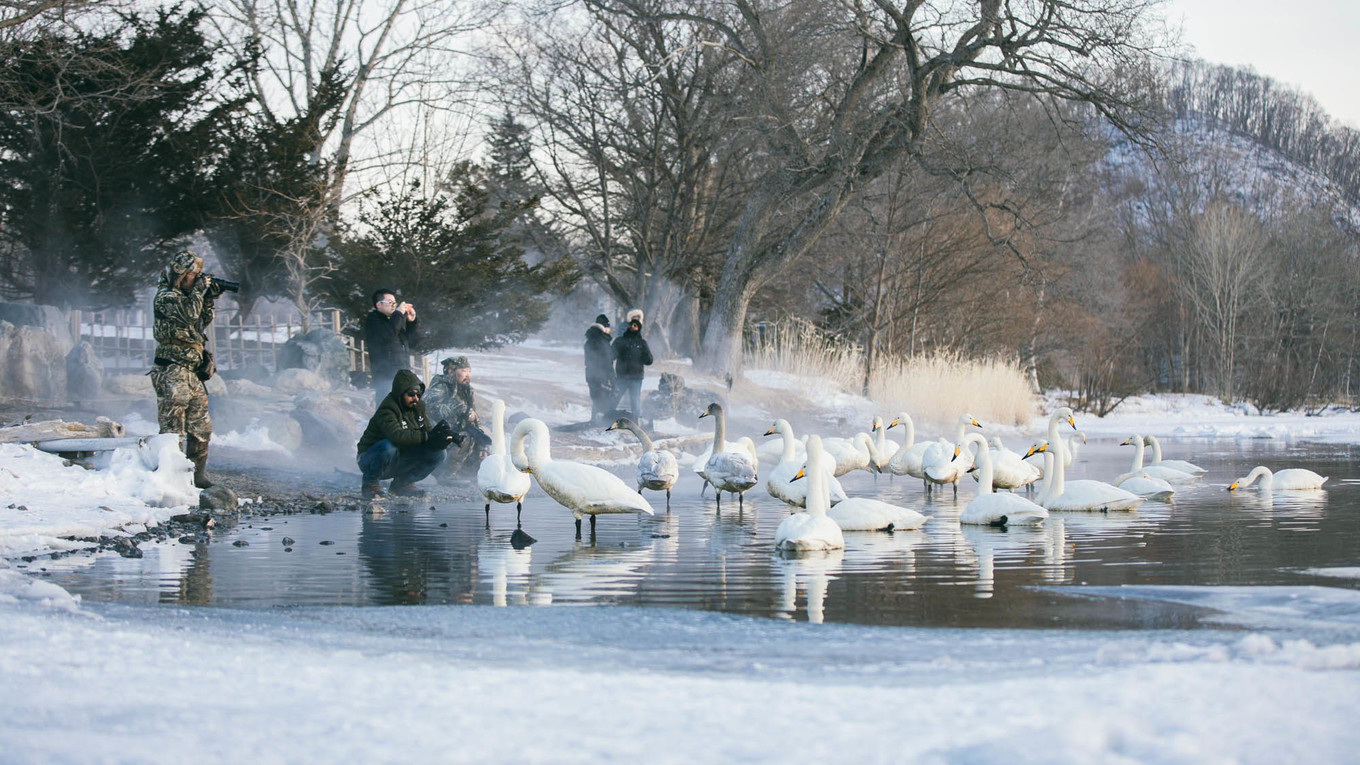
383 460
632 389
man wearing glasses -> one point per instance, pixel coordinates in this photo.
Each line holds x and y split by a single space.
399 442
389 332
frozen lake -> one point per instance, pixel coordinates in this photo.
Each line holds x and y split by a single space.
695 558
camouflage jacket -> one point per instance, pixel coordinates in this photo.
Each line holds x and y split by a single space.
181 320
447 400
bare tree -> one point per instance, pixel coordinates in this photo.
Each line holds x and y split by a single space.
835 94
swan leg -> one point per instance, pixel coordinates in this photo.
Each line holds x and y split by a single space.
578 528
740 501
519 508
719 493
592 525
668 500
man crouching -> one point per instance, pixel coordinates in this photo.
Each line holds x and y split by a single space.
399 442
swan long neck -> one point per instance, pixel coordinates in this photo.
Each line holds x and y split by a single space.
1059 467
1156 448
636 430
1137 442
538 454
911 430
785 431
984 460
719 431
498 428
517 455
1048 477
818 493
865 442
1262 472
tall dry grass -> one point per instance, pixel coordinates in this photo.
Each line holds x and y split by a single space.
934 389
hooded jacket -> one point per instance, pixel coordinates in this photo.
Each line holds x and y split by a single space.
404 427
599 356
180 317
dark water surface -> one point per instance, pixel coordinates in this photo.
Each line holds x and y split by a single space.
693 557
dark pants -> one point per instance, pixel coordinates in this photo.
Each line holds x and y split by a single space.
603 399
383 460
632 391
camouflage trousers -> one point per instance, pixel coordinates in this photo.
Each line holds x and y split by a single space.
181 401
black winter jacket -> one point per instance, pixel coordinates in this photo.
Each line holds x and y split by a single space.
389 340
631 355
599 356
404 427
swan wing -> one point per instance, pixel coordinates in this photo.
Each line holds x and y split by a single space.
499 481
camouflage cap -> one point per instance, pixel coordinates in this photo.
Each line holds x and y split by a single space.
457 362
185 261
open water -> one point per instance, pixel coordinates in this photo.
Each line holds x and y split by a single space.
695 557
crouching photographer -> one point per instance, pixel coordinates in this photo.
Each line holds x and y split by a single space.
400 443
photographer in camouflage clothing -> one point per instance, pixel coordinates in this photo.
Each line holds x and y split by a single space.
183 310
450 398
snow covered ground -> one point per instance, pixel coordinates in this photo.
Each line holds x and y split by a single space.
92 682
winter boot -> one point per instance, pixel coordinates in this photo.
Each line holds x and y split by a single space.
197 452
403 489
374 491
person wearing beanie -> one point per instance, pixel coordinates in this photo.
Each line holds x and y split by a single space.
631 357
600 370
450 398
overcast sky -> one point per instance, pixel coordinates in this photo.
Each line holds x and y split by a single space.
1307 43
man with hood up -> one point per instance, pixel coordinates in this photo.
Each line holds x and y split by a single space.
600 370
183 310
399 442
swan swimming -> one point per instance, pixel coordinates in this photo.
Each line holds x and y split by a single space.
1289 479
864 513
992 508
1168 474
657 469
727 471
1009 469
1181 465
497 478
780 481
582 489
812 530
1083 494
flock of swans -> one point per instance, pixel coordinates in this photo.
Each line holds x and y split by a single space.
806 472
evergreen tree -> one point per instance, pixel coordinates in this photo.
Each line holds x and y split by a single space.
449 254
105 144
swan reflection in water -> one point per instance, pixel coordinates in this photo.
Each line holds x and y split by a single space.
986 542
587 573
508 565
811 570
1299 503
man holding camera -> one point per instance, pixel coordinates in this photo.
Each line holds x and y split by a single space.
183 310
399 442
450 398
389 332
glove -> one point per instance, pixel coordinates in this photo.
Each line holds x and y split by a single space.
213 289
440 436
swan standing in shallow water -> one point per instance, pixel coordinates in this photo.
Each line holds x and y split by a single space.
884 449
727 471
780 481
1289 479
657 469
582 489
844 455
497 478
1079 495
907 460
1181 465
992 508
1009 469
862 513
812 530
944 462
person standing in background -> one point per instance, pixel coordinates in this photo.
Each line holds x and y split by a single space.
600 370
631 357
390 330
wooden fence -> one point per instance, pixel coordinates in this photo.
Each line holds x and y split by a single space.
123 339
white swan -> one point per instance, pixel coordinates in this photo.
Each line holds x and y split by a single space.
1181 465
1084 494
864 513
1009 469
582 489
991 508
657 469
727 471
497 478
1289 479
1074 443
907 460
812 530
1162 472
884 448
780 482
945 462
848 454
